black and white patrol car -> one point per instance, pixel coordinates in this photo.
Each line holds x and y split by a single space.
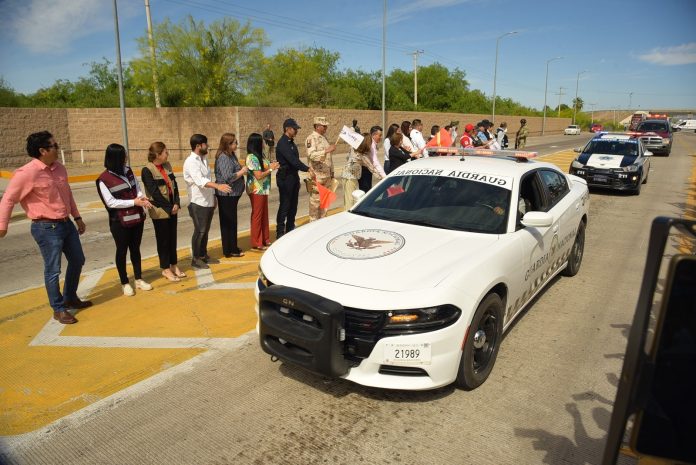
413 287
614 161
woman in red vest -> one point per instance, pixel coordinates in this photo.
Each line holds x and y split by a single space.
119 191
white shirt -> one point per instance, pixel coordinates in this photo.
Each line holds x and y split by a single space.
113 202
386 144
417 141
375 160
196 176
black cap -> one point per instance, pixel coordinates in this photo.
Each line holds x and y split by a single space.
290 123
480 123
486 123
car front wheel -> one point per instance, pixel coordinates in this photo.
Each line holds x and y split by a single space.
576 253
482 343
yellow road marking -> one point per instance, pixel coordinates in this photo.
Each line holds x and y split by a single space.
561 159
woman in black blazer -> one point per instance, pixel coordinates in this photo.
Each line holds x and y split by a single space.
397 154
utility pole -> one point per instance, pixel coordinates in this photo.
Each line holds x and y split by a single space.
415 76
151 41
560 94
630 97
592 112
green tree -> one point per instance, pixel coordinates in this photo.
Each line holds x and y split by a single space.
579 102
197 65
298 77
97 90
9 97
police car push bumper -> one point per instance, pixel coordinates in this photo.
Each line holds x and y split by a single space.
322 336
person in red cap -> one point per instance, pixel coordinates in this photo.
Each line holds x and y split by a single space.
466 140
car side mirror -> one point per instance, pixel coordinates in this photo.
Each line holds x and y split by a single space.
576 150
358 194
647 153
537 219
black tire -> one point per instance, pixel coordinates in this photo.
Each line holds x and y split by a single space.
576 253
636 191
645 181
482 344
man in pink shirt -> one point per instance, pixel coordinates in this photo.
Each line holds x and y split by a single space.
41 187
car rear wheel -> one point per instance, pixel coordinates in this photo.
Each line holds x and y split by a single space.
482 343
576 253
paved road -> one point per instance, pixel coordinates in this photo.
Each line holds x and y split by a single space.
548 399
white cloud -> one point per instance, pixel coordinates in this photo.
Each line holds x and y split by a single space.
53 25
667 56
401 12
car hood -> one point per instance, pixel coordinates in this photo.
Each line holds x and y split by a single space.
378 254
605 160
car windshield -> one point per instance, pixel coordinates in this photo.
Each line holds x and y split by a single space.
439 202
653 127
613 147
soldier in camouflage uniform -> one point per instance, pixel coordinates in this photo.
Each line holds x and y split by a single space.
320 165
521 136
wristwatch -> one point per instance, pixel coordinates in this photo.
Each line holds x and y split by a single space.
77 218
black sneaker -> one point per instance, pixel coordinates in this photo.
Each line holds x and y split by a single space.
199 264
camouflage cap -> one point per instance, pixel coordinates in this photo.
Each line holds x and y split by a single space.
321 120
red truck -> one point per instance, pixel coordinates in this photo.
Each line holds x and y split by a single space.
656 135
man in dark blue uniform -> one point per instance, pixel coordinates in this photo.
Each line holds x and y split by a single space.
288 179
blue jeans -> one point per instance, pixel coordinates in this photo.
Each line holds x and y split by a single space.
55 239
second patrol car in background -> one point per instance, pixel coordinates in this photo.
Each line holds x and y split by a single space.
614 161
413 287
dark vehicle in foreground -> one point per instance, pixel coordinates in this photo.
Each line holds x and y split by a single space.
614 161
656 135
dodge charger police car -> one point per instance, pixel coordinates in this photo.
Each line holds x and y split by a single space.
616 161
415 285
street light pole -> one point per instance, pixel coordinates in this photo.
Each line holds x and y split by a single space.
122 100
495 70
415 76
630 97
384 63
577 83
151 42
546 86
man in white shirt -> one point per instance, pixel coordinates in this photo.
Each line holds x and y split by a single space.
416 135
201 206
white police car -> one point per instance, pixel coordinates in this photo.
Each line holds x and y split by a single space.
413 287
614 161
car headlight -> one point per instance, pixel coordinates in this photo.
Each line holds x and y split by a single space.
421 318
263 279
577 164
665 140
630 168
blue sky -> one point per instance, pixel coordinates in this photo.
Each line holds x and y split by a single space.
638 52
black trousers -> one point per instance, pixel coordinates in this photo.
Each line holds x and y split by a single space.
127 239
365 181
165 235
289 193
227 211
202 218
